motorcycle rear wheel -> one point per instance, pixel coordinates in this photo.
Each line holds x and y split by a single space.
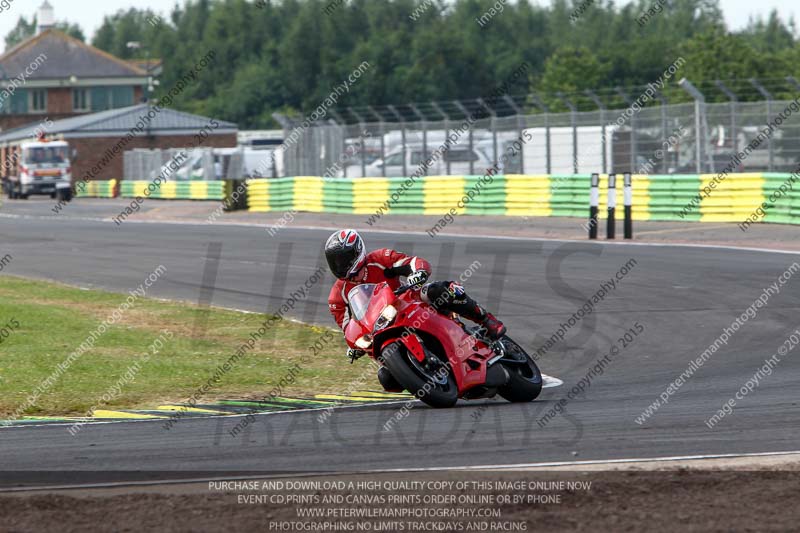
436 389
525 384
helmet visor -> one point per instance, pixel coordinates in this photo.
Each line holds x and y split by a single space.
342 261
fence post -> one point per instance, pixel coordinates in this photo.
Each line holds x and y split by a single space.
541 105
699 100
361 150
471 162
768 95
664 136
573 119
424 123
467 115
734 104
446 154
632 143
383 138
446 119
603 141
494 142
402 121
520 126
383 148
548 146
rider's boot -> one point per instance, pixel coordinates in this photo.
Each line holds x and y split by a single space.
494 328
469 309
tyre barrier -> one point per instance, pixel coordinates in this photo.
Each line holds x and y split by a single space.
694 197
685 197
170 190
431 195
96 189
174 190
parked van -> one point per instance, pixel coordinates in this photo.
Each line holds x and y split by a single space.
455 161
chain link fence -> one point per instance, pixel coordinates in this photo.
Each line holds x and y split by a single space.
667 139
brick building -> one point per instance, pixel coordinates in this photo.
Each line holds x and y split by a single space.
98 141
54 75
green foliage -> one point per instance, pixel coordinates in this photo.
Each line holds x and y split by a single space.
20 32
25 29
289 54
133 25
73 30
571 70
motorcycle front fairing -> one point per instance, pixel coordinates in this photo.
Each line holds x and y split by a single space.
367 302
412 321
354 331
468 356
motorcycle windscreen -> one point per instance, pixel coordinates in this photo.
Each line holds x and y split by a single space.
367 301
359 297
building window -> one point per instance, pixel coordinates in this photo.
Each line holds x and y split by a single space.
15 104
102 98
121 97
81 100
99 99
38 101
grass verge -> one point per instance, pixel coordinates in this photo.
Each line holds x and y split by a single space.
42 323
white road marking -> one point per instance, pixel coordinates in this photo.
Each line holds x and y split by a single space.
588 462
419 233
549 382
184 481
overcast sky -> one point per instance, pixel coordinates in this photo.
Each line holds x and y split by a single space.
89 13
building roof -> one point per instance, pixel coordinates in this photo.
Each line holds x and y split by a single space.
154 66
64 57
120 122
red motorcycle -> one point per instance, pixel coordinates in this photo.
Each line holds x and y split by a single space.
434 356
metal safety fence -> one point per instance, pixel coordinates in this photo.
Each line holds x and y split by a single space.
680 138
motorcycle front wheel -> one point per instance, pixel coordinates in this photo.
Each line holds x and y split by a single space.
525 384
433 385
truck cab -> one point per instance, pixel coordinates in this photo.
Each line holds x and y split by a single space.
40 167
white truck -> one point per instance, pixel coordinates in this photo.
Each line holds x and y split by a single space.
39 167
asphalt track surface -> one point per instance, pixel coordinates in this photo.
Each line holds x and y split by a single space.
682 296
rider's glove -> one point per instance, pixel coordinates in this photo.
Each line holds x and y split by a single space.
416 279
353 354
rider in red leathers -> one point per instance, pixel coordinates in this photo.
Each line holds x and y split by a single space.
352 265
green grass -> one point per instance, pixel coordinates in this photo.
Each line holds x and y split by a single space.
55 319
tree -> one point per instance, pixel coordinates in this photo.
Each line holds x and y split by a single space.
73 30
20 32
770 36
718 55
24 30
289 55
571 70
123 27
